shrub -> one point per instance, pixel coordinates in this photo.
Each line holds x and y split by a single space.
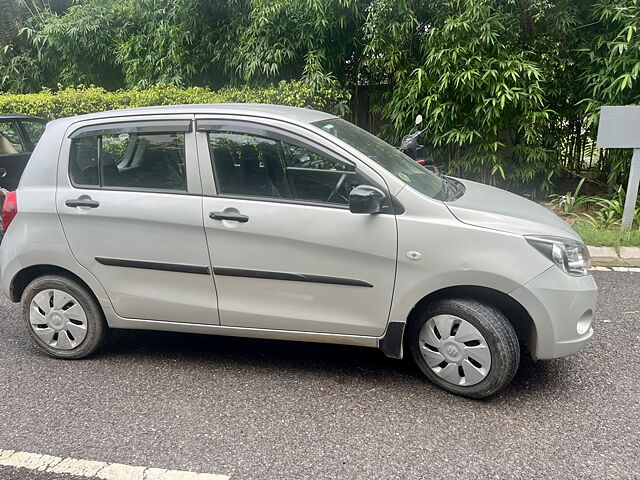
70 101
567 203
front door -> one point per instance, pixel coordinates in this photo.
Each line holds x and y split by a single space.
287 254
131 208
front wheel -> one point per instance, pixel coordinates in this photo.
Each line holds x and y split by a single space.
465 346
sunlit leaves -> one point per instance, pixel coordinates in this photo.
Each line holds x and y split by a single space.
481 98
510 89
64 102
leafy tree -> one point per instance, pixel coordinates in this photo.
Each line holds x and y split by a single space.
483 97
510 89
124 43
614 68
315 40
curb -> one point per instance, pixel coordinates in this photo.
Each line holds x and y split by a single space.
615 256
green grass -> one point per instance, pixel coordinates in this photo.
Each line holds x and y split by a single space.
612 237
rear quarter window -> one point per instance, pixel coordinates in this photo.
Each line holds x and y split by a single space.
83 165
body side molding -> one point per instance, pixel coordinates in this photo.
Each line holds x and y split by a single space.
288 276
167 267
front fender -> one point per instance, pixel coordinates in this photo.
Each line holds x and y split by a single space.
405 300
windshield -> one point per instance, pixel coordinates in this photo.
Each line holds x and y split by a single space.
388 157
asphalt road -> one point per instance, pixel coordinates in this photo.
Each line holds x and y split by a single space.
255 409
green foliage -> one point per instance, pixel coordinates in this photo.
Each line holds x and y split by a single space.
568 203
121 43
483 98
79 100
309 39
597 212
608 237
510 89
136 43
614 55
388 32
610 210
614 69
601 219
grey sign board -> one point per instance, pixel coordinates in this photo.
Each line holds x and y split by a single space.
619 127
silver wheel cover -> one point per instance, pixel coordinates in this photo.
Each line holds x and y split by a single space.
58 319
455 350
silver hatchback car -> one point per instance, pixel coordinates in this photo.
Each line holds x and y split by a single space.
277 222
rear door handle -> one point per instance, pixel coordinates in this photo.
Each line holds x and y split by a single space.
82 202
235 217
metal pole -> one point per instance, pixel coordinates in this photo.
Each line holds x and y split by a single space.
632 190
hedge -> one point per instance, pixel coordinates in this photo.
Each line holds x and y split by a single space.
69 101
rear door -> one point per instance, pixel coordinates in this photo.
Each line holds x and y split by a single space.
129 198
14 154
286 251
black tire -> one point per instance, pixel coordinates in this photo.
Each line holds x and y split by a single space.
96 325
500 337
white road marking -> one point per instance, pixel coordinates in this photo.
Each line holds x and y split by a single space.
93 469
616 269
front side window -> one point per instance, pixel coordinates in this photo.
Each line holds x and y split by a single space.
251 165
10 142
134 161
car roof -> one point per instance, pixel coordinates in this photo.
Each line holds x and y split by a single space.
19 116
300 115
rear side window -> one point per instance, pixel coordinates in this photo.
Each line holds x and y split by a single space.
148 161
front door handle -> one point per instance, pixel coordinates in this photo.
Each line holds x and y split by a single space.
82 202
235 217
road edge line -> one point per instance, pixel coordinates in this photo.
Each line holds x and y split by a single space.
96 469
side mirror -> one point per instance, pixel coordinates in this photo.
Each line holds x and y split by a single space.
418 119
366 199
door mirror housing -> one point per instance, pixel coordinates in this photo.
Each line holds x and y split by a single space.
366 199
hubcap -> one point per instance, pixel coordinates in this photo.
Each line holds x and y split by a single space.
455 350
58 319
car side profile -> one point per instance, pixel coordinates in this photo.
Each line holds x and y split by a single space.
19 134
285 223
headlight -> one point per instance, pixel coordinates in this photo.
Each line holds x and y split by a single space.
570 255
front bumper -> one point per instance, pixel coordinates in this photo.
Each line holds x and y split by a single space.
562 308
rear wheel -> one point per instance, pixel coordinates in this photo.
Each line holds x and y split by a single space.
62 317
465 346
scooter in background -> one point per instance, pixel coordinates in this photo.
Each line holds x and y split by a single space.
409 146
